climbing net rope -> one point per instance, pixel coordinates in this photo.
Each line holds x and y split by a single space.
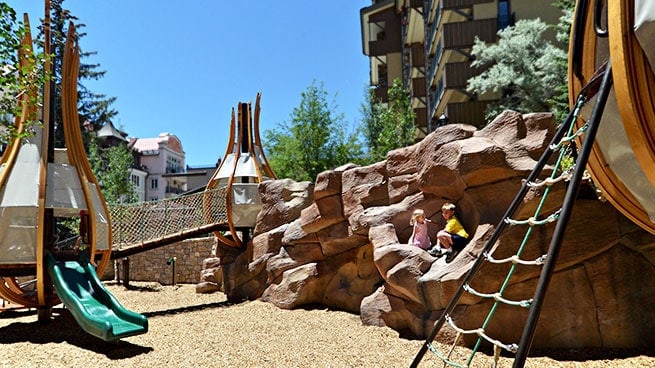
563 144
139 222
538 219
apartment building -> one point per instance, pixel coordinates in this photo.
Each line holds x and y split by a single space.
162 158
427 44
159 170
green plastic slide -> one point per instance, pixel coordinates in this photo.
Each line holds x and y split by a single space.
94 308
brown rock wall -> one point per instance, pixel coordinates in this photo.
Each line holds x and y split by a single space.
341 243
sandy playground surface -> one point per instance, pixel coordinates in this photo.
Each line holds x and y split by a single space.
204 330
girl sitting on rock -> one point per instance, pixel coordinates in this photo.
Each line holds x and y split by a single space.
420 237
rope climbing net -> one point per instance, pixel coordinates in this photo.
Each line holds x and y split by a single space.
140 222
562 145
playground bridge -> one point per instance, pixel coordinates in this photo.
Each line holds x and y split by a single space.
142 226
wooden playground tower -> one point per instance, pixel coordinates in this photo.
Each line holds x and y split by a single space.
39 184
241 170
63 186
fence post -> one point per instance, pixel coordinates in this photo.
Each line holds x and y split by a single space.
126 272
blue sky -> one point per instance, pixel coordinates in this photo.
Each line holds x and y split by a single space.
181 66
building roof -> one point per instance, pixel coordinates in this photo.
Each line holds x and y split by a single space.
108 130
151 145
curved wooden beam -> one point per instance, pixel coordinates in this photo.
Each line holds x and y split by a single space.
259 148
593 52
97 206
634 84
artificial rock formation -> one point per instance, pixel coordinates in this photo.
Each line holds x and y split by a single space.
341 243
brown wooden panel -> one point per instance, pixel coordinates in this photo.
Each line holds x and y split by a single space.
458 4
462 34
418 87
417 53
458 74
470 112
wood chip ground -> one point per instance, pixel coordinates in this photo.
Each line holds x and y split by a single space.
204 330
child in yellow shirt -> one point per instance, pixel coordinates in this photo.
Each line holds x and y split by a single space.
453 238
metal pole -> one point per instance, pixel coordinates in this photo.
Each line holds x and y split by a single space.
518 200
560 229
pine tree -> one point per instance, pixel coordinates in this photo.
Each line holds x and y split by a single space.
92 107
523 67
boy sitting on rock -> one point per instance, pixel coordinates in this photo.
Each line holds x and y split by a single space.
453 238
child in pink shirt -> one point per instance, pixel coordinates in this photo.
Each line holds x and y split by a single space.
420 236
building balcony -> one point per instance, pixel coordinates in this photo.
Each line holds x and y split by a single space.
381 93
421 119
414 63
173 190
458 74
417 54
418 87
469 112
458 4
461 35
412 23
382 47
381 29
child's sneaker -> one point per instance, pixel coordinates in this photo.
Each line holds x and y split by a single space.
451 255
436 252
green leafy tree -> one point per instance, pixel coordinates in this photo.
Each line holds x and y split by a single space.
524 67
314 141
111 167
387 126
15 80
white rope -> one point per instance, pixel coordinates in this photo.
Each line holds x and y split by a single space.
533 221
446 358
498 297
515 259
496 356
567 140
513 348
566 176
452 348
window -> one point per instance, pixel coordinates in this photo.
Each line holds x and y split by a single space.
136 179
173 165
505 16
154 184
